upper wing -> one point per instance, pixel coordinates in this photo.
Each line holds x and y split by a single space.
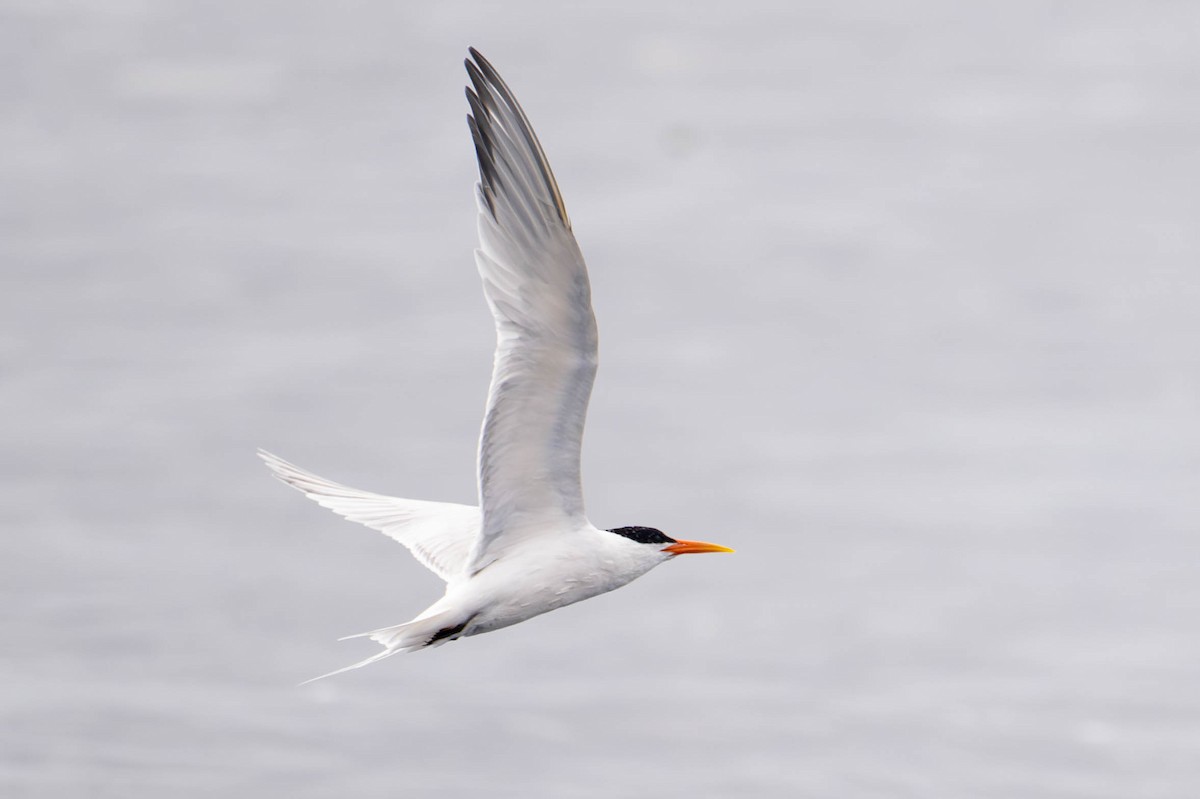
537 286
439 534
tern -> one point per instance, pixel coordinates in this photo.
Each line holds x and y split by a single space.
527 548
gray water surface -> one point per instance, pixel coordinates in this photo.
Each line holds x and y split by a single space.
898 299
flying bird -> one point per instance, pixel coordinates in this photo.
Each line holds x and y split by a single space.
527 548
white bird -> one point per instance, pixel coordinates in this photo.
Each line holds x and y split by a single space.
528 548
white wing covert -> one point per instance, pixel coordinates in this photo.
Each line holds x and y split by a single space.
439 534
537 287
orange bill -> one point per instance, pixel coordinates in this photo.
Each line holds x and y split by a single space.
694 547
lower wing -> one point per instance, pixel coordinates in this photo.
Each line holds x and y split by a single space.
439 534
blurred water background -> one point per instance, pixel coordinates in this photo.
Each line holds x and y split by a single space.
898 299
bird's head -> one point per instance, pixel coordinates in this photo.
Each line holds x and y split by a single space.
661 542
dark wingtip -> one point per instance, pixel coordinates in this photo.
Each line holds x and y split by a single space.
477 62
490 91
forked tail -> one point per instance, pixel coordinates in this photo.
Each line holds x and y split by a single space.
422 632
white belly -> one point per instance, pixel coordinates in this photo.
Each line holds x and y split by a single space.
546 575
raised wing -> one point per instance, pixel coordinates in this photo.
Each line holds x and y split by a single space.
537 286
439 534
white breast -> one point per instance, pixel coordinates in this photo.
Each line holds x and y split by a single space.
550 572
